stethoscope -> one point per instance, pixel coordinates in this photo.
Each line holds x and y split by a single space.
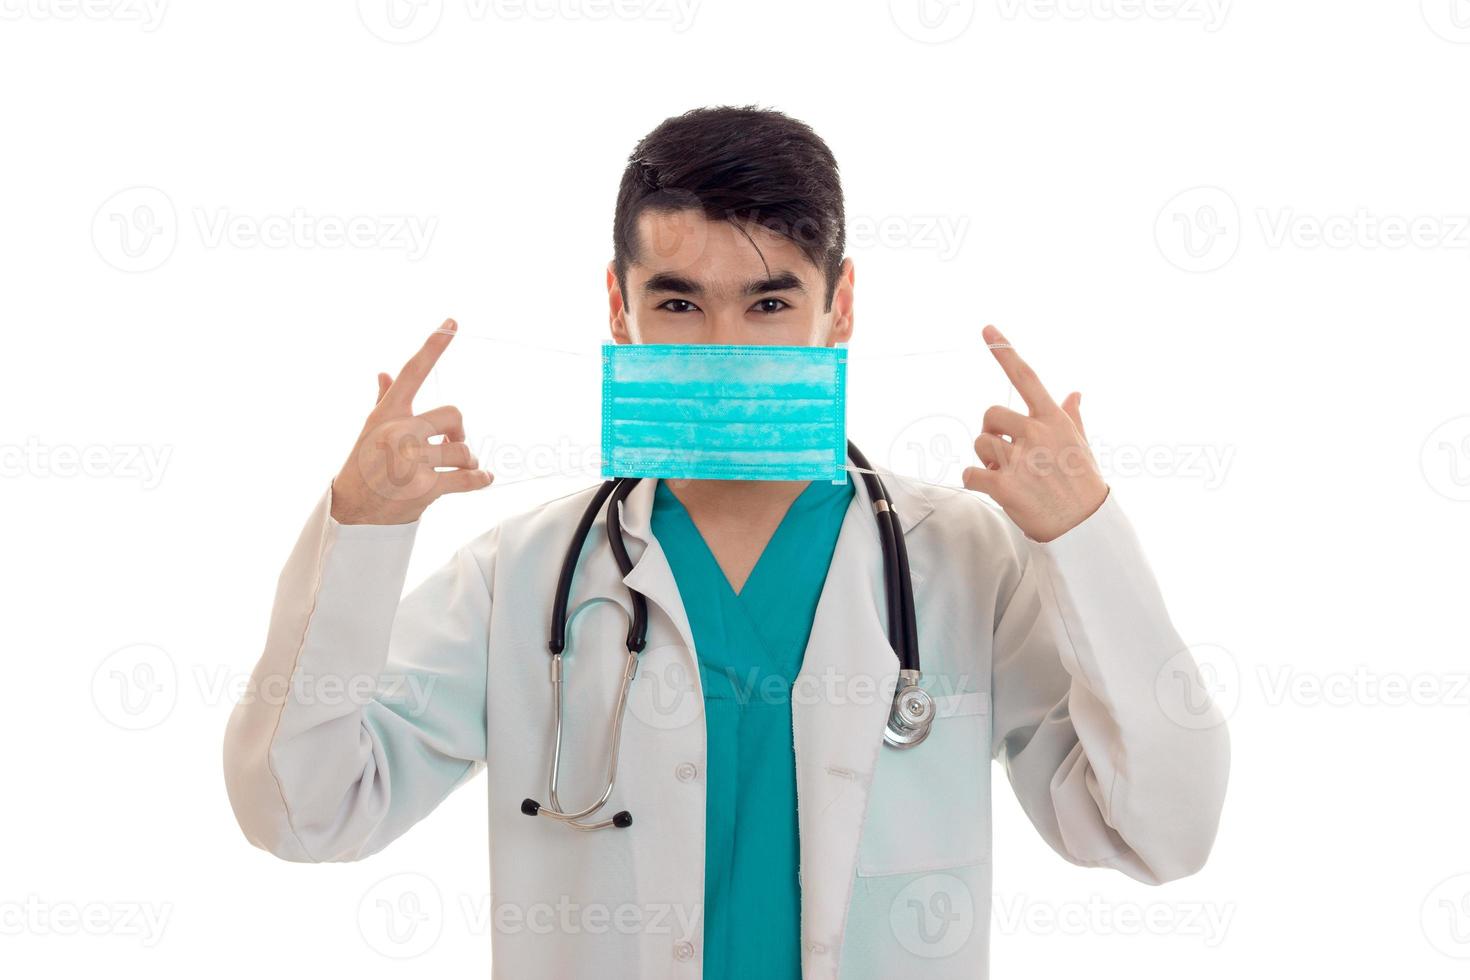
909 717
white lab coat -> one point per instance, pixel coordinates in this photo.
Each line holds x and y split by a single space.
1056 659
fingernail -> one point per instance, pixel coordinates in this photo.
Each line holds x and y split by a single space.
448 326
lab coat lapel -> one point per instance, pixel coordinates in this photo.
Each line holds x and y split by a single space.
651 573
839 704
906 496
839 710
599 580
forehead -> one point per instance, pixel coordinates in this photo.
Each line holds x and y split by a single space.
688 243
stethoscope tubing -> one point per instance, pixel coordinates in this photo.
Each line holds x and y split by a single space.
902 633
898 586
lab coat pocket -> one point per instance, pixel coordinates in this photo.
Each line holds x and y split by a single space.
929 806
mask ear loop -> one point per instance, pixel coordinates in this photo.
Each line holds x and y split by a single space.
443 394
858 356
909 479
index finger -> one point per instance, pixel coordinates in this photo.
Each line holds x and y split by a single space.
1032 392
411 378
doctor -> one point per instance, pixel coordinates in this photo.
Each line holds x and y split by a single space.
775 835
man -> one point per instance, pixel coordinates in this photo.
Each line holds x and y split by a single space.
775 835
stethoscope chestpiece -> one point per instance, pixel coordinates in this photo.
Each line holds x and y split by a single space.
912 713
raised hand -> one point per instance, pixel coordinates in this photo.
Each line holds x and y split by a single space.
1037 466
394 471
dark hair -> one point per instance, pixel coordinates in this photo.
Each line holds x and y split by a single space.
736 164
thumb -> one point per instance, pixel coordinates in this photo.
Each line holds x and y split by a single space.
384 383
1072 405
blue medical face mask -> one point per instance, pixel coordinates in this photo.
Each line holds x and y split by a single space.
724 412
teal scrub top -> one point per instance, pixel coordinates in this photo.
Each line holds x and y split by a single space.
750 647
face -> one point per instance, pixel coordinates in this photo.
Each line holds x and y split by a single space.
698 281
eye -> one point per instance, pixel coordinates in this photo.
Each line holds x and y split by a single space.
677 306
771 305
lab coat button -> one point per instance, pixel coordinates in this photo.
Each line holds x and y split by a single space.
683 951
686 771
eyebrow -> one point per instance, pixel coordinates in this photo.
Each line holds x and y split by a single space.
668 282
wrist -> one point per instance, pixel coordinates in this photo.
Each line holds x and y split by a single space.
1085 513
346 509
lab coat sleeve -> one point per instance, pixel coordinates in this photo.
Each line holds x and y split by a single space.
364 712
1102 723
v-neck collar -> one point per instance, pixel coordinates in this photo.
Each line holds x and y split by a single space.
666 497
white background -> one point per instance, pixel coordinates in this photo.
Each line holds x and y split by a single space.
1193 211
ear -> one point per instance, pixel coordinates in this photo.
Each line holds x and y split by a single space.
842 303
617 310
